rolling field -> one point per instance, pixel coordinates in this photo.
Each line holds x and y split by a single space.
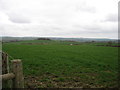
59 64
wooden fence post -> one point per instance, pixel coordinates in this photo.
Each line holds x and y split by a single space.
18 81
5 69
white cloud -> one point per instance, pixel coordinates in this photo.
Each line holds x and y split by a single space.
17 18
112 18
72 18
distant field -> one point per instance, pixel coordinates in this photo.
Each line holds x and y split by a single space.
66 64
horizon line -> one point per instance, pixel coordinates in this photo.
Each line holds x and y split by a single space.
61 37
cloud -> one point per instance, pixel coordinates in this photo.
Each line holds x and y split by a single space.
86 8
4 18
86 18
18 18
112 18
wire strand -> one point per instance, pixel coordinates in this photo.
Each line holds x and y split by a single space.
9 56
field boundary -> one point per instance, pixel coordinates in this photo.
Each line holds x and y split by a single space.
15 74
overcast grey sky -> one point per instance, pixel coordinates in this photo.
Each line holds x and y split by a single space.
60 18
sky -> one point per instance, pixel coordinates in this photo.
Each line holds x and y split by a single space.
59 18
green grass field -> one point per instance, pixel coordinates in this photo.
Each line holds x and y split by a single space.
59 64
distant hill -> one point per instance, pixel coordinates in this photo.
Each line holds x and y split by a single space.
5 39
86 39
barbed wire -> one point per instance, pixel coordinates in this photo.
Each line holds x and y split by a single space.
9 56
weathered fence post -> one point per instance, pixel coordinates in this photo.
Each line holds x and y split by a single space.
0 69
5 68
18 81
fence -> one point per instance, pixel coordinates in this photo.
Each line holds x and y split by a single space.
11 71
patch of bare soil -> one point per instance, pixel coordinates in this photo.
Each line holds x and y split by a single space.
52 81
109 45
35 43
74 44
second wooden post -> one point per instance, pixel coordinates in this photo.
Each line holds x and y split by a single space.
18 81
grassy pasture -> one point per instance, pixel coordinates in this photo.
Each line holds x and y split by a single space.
59 64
